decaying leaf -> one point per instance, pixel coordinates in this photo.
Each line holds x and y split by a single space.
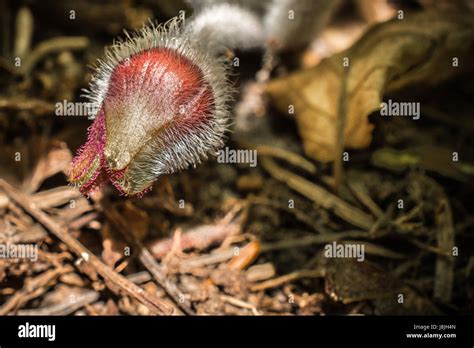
138 220
423 48
350 281
113 247
56 159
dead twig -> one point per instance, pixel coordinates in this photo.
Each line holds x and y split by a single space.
55 197
24 32
153 303
203 236
33 288
36 106
49 46
310 240
245 256
260 272
149 262
67 307
290 157
239 303
360 192
340 130
444 270
273 283
204 260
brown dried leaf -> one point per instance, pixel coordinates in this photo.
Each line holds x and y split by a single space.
138 220
390 56
113 246
57 159
348 280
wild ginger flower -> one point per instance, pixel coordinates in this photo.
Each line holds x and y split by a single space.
161 106
162 94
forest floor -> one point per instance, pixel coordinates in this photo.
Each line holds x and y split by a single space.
233 239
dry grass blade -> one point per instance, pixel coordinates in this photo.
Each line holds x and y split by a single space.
66 307
443 287
320 196
273 283
311 240
290 157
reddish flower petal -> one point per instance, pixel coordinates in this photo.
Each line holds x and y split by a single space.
87 170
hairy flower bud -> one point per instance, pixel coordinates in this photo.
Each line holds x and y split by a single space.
162 106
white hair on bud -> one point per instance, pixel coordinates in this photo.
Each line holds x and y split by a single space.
310 16
256 6
231 25
227 25
169 152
